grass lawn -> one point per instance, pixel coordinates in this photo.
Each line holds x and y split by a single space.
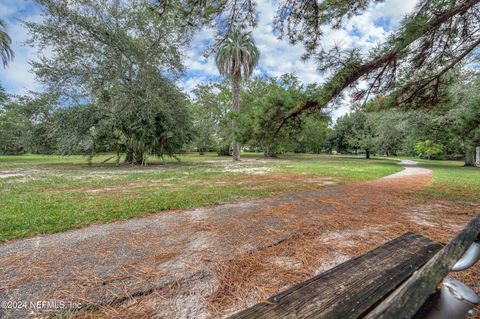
452 181
45 194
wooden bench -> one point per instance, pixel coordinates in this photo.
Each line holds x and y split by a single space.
391 281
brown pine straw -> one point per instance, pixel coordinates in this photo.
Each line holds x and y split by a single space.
274 249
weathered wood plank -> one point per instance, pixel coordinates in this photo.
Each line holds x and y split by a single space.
351 288
410 296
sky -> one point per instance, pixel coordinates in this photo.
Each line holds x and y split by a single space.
276 56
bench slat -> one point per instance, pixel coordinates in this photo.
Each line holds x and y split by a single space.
353 287
410 296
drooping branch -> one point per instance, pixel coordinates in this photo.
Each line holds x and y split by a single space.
420 85
354 70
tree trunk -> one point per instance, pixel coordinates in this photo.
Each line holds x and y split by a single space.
133 155
129 155
367 154
139 158
477 160
236 111
270 152
224 151
469 156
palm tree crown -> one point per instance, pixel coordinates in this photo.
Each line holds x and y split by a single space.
237 56
6 53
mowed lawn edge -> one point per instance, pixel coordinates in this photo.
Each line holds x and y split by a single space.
451 181
48 194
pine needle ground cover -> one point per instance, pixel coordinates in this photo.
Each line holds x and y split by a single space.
47 194
214 261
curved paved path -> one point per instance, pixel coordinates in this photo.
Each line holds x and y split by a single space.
411 169
213 261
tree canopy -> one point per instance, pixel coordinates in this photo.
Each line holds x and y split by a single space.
237 56
259 99
110 81
409 67
449 130
115 62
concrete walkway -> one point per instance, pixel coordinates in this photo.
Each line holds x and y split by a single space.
411 169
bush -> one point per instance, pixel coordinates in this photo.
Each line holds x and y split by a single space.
428 149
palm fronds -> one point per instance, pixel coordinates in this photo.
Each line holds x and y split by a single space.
237 56
6 52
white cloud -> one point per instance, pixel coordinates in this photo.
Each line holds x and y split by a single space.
9 8
195 60
189 84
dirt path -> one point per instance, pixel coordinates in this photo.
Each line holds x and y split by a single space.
213 261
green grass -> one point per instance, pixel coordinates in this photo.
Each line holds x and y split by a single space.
349 169
451 180
54 193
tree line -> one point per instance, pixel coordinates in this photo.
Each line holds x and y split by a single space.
110 82
451 130
39 124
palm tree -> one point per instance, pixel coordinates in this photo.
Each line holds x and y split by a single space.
236 58
6 53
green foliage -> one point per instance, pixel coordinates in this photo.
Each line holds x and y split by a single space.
11 131
362 135
25 125
391 128
312 137
453 123
3 95
464 108
114 62
455 120
337 136
210 115
428 149
269 98
6 52
237 56
354 131
410 67
80 129
260 100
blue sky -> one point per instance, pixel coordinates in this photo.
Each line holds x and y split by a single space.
277 56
